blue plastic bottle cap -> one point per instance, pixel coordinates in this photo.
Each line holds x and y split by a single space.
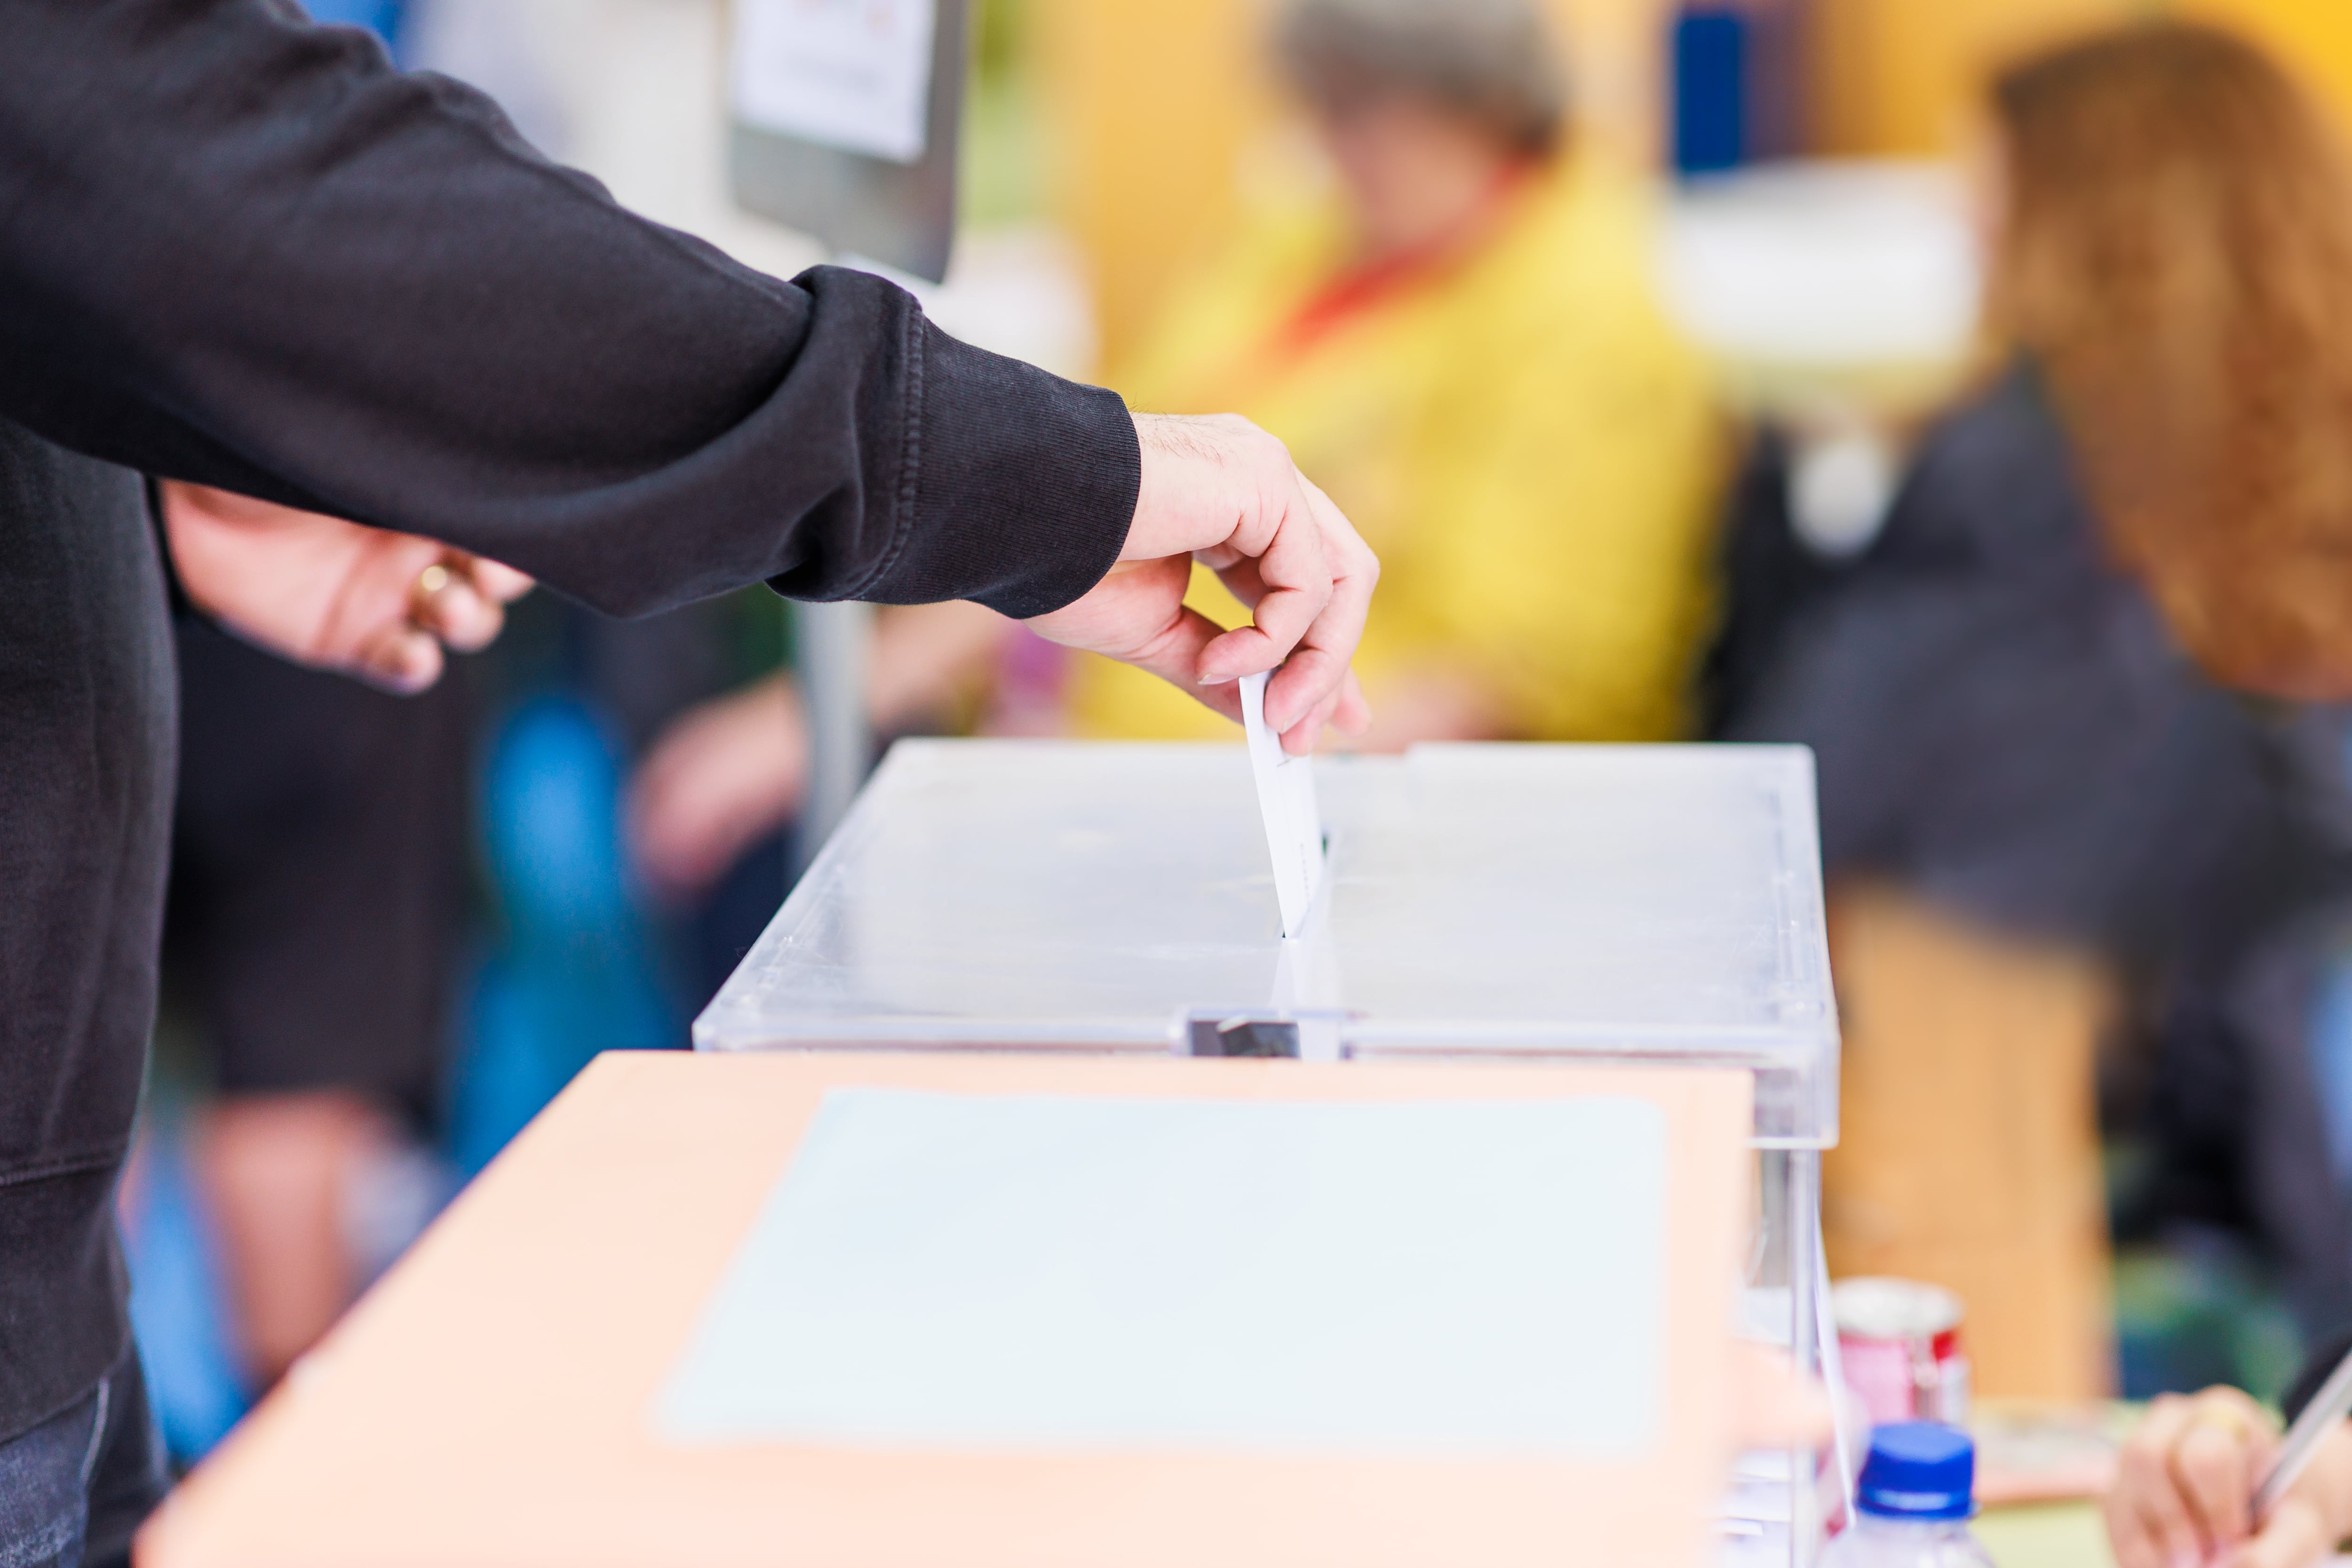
1918 1469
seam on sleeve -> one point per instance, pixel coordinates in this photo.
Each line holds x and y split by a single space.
910 458
65 1165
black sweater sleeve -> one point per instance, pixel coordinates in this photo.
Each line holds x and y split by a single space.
246 251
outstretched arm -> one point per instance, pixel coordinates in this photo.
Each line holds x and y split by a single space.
245 252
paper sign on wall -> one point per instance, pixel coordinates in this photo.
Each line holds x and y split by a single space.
852 74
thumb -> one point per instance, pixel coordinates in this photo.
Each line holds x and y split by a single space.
2294 1537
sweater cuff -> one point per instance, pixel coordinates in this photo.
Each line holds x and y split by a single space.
1022 485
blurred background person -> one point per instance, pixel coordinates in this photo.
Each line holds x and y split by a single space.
2171 238
1463 328
2011 735
729 775
1452 309
318 891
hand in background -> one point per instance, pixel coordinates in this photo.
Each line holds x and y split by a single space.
1774 1405
729 771
1225 491
2184 1490
336 595
726 775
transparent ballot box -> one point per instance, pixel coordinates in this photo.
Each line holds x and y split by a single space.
1652 905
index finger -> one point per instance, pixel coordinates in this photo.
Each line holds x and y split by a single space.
1294 579
1320 667
2127 1539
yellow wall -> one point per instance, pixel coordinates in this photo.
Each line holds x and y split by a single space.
2313 37
1900 76
1148 103
1617 70
1152 103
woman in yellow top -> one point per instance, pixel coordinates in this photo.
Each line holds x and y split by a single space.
1466 350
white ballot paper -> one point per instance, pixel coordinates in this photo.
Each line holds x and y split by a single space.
1285 798
852 74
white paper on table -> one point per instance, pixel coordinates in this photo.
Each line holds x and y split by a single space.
1085 1273
1286 799
852 74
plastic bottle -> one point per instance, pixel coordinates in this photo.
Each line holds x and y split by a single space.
1913 1502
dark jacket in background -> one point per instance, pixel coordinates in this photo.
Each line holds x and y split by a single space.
319 875
2003 725
243 252
2000 719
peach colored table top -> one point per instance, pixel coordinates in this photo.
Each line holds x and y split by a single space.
486 1405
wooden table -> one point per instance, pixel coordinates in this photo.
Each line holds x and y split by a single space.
486 1403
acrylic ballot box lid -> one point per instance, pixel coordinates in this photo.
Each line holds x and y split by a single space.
1653 904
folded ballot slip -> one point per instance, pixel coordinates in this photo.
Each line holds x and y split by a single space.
1286 799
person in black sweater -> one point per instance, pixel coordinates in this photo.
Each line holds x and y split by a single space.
244 254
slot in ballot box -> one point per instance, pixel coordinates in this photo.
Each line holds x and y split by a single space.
1648 906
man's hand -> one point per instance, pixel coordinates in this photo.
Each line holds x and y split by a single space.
333 594
1224 491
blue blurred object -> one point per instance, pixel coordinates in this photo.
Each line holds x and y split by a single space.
177 1308
382 18
2331 1062
1711 50
574 972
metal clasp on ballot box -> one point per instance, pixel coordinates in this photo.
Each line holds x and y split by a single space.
1307 1037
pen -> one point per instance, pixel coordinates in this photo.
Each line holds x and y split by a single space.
2328 1406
